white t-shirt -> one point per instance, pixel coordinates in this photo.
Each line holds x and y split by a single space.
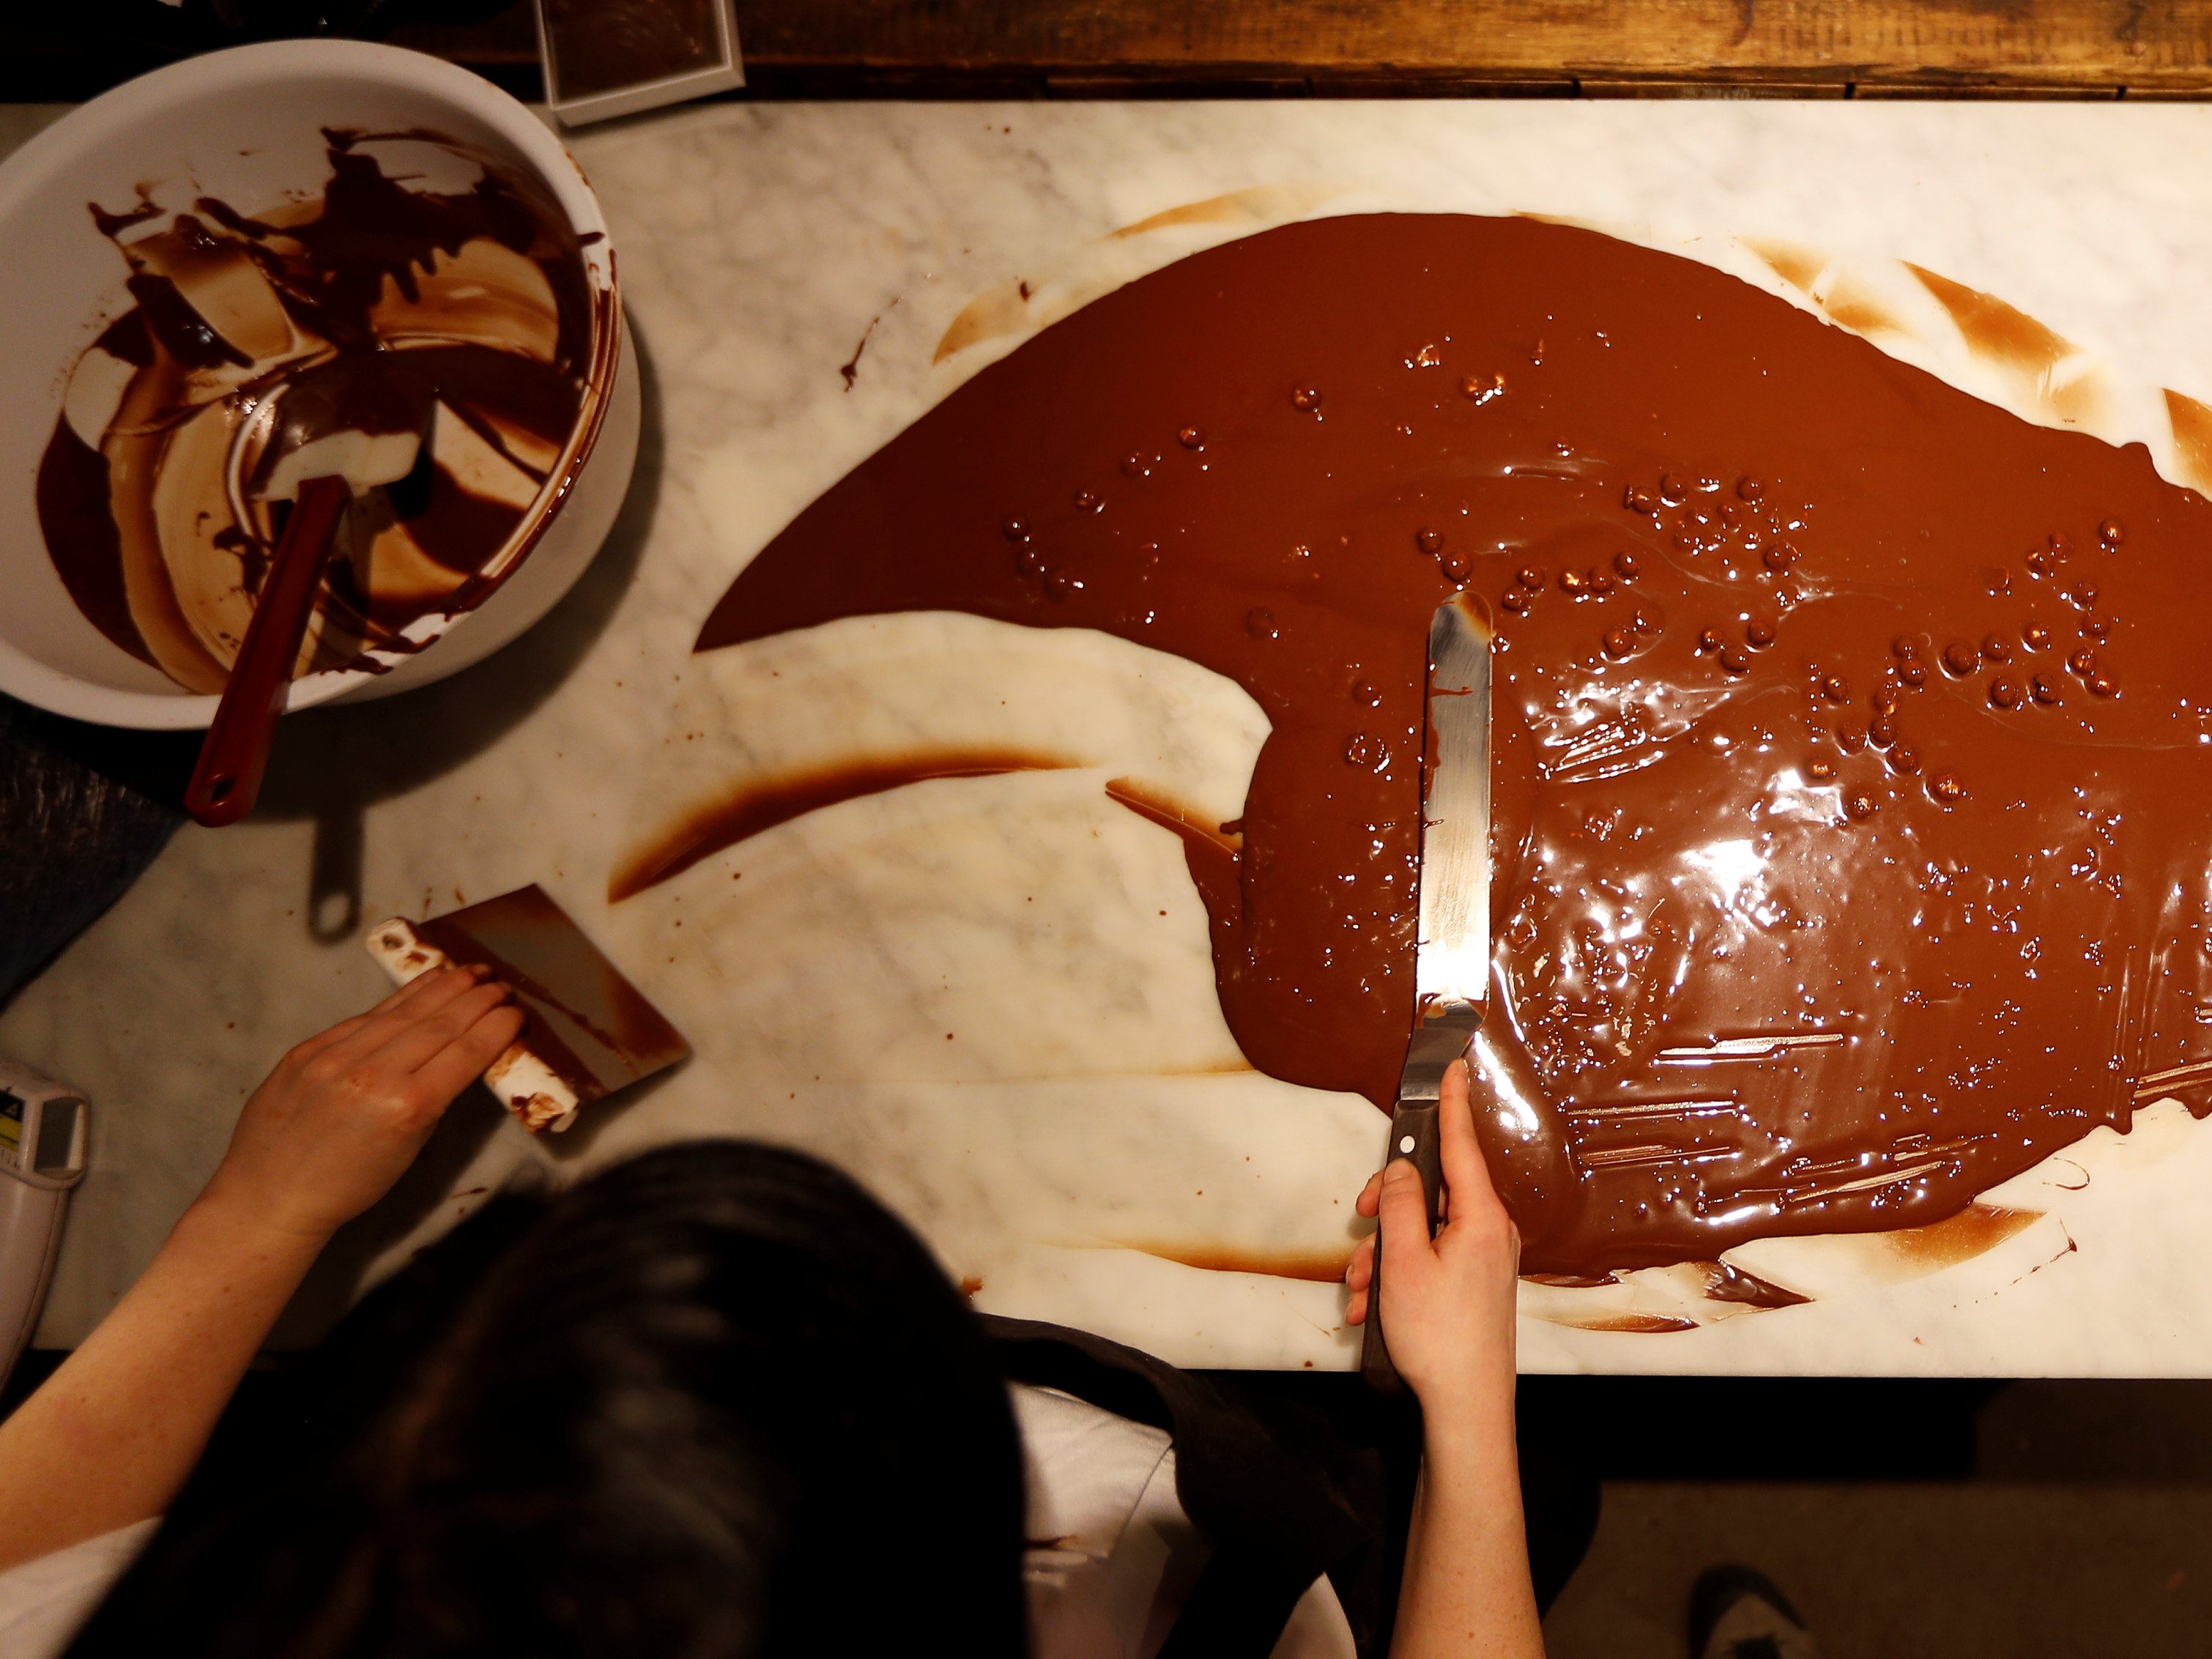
43 1603
1111 1555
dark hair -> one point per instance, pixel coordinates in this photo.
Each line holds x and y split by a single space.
714 1401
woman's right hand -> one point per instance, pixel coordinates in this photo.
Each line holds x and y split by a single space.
343 1114
1449 1301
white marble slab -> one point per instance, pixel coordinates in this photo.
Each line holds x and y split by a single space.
991 998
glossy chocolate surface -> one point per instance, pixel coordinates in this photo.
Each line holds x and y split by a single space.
1853 736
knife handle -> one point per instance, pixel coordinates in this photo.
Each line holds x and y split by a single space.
1412 1135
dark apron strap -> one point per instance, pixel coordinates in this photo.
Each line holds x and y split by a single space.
1275 1525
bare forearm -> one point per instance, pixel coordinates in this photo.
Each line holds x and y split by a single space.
111 1435
1467 1589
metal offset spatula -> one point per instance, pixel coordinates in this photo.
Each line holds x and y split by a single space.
1452 969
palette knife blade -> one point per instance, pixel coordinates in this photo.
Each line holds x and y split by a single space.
1452 966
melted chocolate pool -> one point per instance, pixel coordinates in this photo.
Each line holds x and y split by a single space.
1853 738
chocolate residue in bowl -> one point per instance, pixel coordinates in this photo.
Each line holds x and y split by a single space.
1853 736
364 308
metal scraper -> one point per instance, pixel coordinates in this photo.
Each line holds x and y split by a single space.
587 1030
1452 967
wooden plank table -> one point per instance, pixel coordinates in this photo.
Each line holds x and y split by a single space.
1116 48
2096 47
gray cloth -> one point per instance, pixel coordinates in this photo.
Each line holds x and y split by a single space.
83 809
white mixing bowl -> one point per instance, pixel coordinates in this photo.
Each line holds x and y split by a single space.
246 126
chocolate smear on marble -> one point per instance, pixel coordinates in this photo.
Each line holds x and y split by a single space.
1326 1269
1726 1283
762 804
1799 929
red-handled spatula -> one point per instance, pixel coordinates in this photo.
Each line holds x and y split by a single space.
1452 965
320 478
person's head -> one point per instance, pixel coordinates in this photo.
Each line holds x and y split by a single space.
714 1401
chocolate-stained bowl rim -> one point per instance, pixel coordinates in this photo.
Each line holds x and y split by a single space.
552 169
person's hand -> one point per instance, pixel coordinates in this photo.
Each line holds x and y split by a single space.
344 1113
1447 1303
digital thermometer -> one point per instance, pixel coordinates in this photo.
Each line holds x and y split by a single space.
44 1127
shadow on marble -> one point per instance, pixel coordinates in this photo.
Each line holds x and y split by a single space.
433 1183
339 1273
331 765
